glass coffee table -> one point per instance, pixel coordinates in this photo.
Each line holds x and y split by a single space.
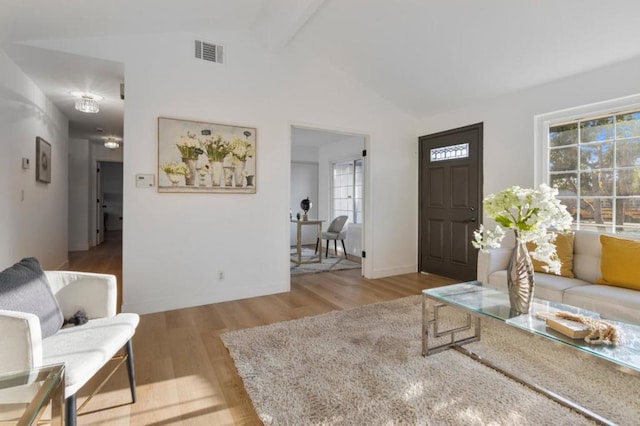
478 301
24 395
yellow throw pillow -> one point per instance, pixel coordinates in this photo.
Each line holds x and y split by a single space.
620 262
564 249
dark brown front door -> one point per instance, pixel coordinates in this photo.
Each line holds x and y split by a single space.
450 201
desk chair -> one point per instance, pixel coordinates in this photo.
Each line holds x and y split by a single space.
335 233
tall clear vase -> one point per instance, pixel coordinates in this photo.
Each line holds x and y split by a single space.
228 175
239 173
217 172
520 278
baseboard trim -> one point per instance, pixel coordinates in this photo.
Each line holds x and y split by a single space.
382 273
79 247
189 301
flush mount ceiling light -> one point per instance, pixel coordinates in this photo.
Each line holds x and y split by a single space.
111 143
88 102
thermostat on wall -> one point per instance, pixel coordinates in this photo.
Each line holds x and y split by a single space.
145 181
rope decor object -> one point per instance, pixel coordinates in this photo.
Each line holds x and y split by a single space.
601 332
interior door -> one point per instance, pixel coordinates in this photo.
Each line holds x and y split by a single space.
450 201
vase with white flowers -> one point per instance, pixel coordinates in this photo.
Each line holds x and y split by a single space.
189 147
241 150
174 171
534 215
216 149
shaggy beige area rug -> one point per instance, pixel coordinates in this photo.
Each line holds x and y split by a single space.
363 367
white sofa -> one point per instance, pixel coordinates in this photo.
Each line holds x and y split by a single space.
610 302
84 349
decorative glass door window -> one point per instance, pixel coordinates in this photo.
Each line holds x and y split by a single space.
451 152
347 186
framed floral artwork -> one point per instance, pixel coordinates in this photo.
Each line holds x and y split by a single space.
43 160
195 156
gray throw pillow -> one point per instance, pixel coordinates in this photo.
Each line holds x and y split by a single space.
24 287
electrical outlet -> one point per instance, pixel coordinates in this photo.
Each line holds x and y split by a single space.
220 275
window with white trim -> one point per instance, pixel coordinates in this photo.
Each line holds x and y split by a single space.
595 164
347 182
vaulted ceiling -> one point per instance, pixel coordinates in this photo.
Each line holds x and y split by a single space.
425 56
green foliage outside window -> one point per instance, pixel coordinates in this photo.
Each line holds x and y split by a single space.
595 164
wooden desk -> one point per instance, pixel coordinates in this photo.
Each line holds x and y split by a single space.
300 223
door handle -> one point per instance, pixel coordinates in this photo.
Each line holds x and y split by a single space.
471 219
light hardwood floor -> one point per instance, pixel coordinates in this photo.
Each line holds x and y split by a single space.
185 375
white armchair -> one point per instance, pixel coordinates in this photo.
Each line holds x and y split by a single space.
84 349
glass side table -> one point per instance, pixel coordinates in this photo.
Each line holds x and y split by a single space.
24 395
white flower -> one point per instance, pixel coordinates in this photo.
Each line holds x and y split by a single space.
189 146
189 140
532 214
242 149
485 239
175 168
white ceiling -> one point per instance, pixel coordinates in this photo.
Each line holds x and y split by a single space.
429 56
58 73
45 19
425 56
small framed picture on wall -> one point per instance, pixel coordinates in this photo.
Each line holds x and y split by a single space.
43 160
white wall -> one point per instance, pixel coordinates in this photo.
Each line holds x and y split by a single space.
79 194
37 225
174 243
509 144
353 242
305 154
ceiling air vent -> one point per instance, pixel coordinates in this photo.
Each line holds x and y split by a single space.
209 51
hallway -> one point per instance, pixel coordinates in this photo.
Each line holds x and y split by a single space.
104 259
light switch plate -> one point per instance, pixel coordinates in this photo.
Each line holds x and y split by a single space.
145 181
25 163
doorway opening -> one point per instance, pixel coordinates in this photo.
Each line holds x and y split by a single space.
327 167
109 191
